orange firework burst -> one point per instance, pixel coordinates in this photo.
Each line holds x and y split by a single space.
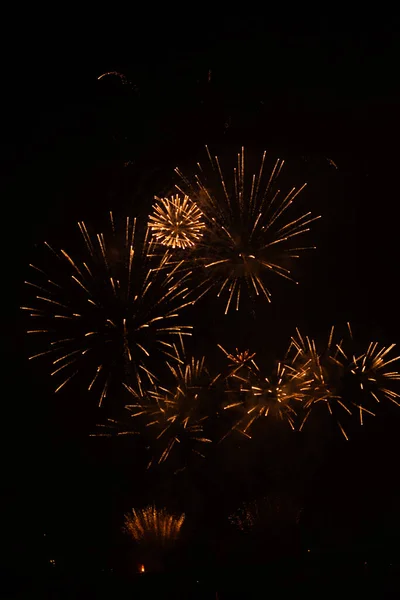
322 372
154 527
174 416
374 373
329 372
176 222
247 236
238 360
258 395
102 313
177 413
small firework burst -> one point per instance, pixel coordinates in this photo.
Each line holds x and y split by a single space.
101 311
247 235
273 395
154 527
238 360
257 395
322 373
329 375
374 372
176 222
178 413
168 417
265 513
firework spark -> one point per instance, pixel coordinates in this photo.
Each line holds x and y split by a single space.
259 395
238 360
309 377
154 527
176 413
102 313
176 222
121 76
247 235
328 375
374 373
271 395
265 513
322 372
113 428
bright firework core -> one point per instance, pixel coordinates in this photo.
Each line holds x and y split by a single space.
176 222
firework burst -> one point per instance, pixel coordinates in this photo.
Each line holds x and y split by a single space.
329 375
322 373
176 222
238 360
374 372
259 395
248 234
101 313
265 513
177 413
154 527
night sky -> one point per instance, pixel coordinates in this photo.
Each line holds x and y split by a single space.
74 146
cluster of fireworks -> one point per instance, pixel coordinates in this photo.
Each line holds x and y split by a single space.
156 528
102 314
309 377
306 380
156 531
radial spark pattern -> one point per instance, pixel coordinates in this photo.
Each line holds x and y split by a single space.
249 233
180 411
238 360
330 373
375 372
175 415
260 395
176 222
97 313
323 372
331 376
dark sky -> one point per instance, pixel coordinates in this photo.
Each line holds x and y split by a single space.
306 91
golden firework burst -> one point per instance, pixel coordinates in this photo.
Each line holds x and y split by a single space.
272 395
257 394
322 373
179 412
101 310
374 373
176 222
247 235
154 527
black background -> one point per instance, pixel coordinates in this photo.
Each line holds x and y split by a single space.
302 87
